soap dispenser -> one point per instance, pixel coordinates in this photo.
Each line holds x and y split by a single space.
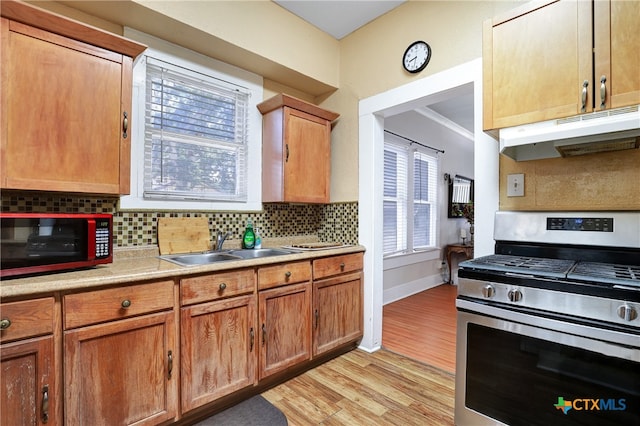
249 237
258 244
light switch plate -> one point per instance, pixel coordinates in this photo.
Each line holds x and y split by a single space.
515 185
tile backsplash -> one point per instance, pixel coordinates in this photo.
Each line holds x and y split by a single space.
329 222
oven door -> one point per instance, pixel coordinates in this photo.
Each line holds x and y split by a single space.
515 368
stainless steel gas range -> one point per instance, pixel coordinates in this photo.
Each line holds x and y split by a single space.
549 325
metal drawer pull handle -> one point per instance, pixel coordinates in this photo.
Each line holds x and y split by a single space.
585 84
317 315
342 266
603 91
252 336
222 286
126 303
287 275
170 368
264 334
125 124
5 323
45 404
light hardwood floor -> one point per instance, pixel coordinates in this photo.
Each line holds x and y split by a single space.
384 387
362 389
423 327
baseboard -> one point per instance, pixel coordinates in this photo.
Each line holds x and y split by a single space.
407 289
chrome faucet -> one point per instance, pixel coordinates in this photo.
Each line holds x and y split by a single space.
220 239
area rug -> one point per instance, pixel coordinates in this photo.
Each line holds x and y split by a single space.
255 411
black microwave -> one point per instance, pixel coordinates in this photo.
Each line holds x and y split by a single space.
35 243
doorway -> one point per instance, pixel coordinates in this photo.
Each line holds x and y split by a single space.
373 110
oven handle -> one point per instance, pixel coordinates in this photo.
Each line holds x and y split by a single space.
608 342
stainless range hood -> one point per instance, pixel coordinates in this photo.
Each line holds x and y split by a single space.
602 131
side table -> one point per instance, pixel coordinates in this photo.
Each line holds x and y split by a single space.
466 249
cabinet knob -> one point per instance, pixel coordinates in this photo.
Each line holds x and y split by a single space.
5 323
222 286
287 275
342 266
126 303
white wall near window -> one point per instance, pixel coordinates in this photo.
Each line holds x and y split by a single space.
227 75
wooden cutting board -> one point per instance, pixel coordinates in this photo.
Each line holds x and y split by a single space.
183 235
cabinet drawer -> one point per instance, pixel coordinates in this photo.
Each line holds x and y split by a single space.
285 273
27 318
116 303
217 286
334 265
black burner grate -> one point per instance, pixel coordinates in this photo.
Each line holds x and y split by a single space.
537 266
607 272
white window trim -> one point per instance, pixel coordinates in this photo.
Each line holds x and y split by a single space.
177 55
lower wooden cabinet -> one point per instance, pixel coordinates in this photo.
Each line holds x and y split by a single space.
124 370
122 360
285 327
337 312
27 378
218 341
27 363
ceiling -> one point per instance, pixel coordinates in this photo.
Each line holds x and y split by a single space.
340 18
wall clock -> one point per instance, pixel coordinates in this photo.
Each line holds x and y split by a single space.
416 57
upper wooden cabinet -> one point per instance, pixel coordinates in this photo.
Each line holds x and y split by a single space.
296 151
66 104
540 61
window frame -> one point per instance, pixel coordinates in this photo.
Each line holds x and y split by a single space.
408 208
194 62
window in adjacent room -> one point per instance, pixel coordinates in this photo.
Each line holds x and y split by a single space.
197 134
410 198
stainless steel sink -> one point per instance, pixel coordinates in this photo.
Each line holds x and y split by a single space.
191 259
256 253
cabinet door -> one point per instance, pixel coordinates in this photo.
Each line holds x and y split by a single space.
337 312
285 327
122 372
307 163
218 349
535 62
617 53
62 122
27 383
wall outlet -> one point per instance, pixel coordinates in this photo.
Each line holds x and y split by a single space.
515 185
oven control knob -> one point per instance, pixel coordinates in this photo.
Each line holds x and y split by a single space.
627 312
514 295
488 291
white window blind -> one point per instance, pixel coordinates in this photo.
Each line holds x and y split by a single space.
195 136
410 199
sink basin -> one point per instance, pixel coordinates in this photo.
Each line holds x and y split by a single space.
191 259
256 253
199 258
